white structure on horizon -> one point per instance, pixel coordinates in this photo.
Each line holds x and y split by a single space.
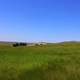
42 43
38 43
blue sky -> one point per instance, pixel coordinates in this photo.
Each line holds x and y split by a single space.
39 20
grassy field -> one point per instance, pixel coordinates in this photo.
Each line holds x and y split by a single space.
58 61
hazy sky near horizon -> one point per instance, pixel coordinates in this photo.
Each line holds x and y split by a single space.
39 20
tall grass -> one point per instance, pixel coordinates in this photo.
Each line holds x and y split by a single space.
51 62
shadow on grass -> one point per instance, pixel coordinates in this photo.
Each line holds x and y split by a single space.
50 72
53 71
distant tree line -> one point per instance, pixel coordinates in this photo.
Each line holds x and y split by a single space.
19 44
28 44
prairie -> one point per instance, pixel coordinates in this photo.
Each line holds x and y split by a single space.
55 61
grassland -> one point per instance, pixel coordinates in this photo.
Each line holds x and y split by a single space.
59 61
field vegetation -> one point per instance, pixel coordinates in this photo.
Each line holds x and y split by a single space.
54 61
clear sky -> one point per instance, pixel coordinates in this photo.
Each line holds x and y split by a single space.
39 20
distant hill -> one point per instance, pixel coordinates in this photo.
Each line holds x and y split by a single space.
65 44
60 44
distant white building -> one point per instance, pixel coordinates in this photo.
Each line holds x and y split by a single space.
30 44
42 43
38 43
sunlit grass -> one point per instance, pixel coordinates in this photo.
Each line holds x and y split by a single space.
52 62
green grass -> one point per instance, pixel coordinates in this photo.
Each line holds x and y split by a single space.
60 61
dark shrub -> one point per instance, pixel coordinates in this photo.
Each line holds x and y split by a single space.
16 44
19 44
23 44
